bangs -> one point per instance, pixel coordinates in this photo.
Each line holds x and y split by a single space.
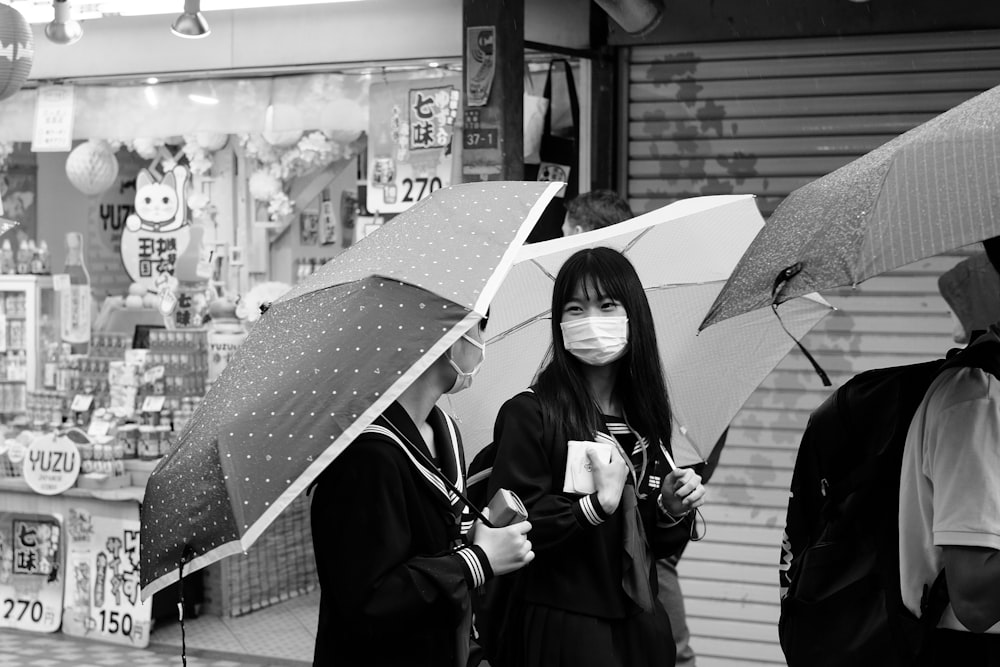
595 276
600 271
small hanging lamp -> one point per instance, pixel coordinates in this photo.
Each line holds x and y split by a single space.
191 24
63 29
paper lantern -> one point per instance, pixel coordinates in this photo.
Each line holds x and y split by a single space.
263 185
282 125
211 141
146 147
17 49
92 167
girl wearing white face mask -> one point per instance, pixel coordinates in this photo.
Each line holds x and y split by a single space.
396 568
589 598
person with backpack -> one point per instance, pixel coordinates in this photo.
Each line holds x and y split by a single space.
396 566
889 555
949 502
589 598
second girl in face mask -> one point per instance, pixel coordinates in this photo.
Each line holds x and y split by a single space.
589 598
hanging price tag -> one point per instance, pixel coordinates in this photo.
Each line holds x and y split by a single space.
98 428
54 114
153 374
60 282
153 403
81 403
136 357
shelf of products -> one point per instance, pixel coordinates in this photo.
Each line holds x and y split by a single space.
29 339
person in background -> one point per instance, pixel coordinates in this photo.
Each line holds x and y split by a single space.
584 213
589 598
594 210
395 570
949 505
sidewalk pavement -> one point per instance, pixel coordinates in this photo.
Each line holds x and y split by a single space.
282 635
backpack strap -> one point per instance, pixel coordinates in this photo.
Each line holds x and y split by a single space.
984 353
485 473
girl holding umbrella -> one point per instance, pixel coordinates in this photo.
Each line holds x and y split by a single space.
589 598
396 571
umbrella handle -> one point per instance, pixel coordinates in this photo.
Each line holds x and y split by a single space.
670 459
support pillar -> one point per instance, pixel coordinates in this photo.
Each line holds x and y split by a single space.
493 85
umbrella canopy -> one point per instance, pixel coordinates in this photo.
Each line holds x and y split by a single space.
927 191
321 364
683 254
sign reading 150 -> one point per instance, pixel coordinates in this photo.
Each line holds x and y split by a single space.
113 621
426 185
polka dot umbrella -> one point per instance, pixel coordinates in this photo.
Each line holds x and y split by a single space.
322 363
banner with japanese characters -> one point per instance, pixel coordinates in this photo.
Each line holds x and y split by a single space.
106 217
410 152
31 576
102 587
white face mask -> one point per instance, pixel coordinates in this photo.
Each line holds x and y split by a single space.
463 379
596 341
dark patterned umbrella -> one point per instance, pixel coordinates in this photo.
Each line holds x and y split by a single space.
932 189
322 363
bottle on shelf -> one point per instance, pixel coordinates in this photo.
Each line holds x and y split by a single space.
40 258
50 372
45 257
24 254
75 303
7 263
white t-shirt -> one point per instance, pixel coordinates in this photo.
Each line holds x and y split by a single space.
949 491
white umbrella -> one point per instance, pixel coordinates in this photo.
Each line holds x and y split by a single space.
683 253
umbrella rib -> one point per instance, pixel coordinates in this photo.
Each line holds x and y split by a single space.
521 325
544 271
635 240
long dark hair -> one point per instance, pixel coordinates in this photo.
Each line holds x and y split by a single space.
639 385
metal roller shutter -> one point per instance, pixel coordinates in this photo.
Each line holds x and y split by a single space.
764 118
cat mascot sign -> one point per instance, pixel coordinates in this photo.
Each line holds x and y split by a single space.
159 230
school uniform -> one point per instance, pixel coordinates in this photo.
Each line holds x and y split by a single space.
395 576
574 604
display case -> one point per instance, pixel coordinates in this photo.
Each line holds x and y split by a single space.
29 334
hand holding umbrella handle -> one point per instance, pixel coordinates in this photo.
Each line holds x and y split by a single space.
507 548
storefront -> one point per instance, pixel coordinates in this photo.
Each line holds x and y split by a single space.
195 181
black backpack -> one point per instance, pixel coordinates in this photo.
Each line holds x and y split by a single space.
841 601
492 603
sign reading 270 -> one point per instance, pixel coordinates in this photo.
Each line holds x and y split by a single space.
31 573
415 189
19 610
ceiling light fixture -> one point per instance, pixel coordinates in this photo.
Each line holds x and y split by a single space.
63 29
203 99
40 11
191 24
